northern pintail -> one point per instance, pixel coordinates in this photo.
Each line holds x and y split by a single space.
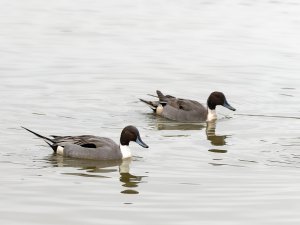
186 110
94 147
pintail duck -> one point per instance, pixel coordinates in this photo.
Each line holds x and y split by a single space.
94 147
186 110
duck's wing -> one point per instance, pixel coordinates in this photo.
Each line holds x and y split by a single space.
88 141
179 103
187 105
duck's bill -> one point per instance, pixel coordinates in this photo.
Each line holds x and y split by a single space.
226 104
141 143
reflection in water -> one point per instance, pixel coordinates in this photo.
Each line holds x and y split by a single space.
92 168
165 124
217 150
180 126
130 181
216 140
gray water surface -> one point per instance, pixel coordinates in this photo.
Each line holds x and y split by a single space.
79 67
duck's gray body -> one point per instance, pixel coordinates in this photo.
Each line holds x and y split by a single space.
89 147
108 152
183 110
94 147
186 110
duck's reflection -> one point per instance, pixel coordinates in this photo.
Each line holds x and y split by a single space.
129 181
210 128
94 168
166 124
216 140
180 126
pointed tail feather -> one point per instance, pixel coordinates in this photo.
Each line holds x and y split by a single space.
153 95
54 147
38 135
153 105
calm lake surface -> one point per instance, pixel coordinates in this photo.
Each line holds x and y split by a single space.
79 67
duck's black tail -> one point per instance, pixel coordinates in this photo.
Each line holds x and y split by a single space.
51 144
152 104
163 100
47 140
38 135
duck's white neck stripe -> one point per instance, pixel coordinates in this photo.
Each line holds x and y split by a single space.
125 150
211 115
60 150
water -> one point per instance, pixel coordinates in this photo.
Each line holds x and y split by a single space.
79 67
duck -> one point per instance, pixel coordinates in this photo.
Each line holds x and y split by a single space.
94 147
186 110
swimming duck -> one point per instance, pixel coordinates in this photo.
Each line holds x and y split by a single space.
186 110
94 147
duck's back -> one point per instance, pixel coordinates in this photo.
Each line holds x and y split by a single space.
83 140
